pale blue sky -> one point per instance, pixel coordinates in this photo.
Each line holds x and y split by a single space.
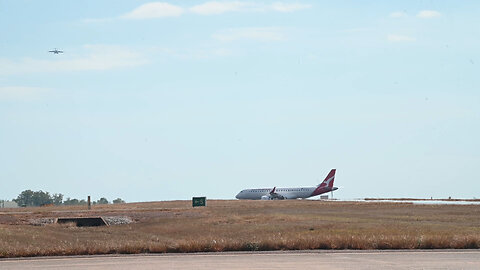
169 100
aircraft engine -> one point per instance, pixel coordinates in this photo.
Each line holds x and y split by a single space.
266 197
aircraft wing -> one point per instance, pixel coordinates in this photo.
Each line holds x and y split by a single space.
275 195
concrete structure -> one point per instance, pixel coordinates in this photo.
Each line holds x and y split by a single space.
8 204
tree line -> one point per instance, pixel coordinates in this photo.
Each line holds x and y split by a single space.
41 198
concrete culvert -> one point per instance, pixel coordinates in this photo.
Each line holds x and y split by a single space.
84 221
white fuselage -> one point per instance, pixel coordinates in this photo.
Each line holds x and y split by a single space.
287 193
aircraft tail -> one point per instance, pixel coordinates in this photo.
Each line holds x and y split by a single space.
328 182
326 185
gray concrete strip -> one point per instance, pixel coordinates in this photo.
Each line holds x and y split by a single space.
451 259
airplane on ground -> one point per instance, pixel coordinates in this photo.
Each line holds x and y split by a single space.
289 193
55 51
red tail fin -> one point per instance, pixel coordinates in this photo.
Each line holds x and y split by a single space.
326 185
328 182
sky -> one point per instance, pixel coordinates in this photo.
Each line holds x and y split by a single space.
156 101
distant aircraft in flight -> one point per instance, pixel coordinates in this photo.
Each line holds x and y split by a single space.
289 193
55 51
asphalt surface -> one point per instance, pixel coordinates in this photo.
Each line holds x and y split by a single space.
442 259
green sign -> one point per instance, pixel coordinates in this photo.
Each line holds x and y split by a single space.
199 201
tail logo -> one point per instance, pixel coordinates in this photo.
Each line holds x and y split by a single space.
327 182
326 185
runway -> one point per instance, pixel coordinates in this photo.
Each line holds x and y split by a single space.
434 259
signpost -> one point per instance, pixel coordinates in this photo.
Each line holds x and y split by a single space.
199 201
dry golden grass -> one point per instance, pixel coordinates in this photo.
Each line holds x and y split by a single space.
242 225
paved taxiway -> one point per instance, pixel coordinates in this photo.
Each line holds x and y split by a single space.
444 259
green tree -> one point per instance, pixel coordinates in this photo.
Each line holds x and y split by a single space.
57 198
41 198
69 201
25 198
102 201
118 200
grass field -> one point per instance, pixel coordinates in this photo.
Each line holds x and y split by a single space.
242 225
